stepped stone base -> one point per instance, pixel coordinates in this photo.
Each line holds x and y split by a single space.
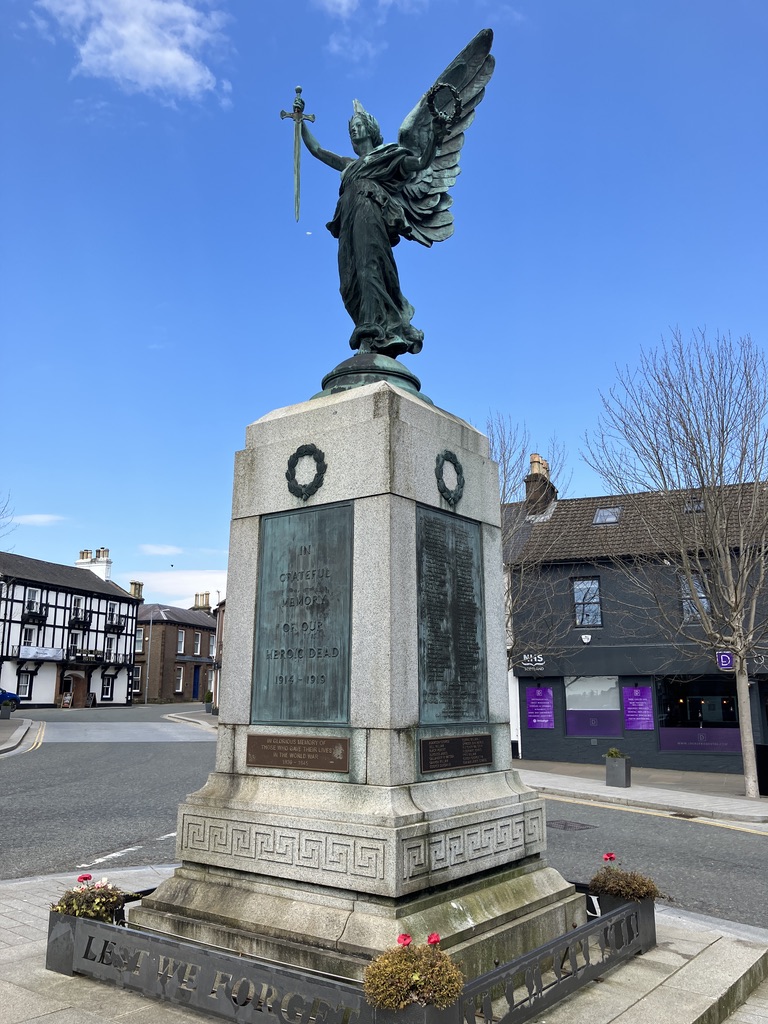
491 919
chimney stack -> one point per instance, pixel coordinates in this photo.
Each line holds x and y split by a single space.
101 563
203 602
540 492
137 589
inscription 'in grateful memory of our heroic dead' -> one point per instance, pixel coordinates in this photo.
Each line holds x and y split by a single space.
303 617
453 674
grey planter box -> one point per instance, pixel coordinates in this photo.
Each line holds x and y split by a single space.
646 917
618 772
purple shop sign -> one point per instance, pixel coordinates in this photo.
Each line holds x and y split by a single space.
704 741
593 723
638 707
540 707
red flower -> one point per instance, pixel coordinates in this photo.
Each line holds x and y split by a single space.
609 856
84 878
404 939
433 939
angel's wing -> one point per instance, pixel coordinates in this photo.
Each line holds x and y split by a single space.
426 197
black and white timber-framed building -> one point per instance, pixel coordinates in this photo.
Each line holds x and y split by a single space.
67 633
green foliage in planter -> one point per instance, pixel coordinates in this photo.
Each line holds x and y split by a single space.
412 974
614 752
97 900
612 880
208 697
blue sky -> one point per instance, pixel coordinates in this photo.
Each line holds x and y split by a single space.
157 295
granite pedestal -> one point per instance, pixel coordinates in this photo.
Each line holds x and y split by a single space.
363 783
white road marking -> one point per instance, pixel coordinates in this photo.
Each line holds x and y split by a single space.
109 856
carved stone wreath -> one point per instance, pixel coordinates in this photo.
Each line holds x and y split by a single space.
305 491
452 496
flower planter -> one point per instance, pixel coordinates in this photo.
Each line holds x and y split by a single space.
618 772
208 708
646 916
5 712
60 951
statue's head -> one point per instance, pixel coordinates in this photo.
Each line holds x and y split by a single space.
368 121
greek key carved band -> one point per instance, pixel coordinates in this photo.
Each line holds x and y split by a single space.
287 848
518 834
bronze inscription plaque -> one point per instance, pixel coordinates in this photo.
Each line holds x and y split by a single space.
303 617
308 753
451 620
446 752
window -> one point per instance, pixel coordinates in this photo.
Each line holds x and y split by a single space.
592 706
694 505
75 642
606 516
212 645
109 648
25 685
107 683
688 599
699 713
112 612
77 604
180 642
179 678
198 642
137 678
29 637
33 600
139 639
586 602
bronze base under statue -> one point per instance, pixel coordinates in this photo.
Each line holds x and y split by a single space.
368 368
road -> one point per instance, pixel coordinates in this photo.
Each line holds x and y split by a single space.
706 867
91 789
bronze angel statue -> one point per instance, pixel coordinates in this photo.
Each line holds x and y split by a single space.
399 190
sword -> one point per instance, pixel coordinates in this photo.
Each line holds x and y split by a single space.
297 115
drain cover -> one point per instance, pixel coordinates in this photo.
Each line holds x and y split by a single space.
568 826
682 814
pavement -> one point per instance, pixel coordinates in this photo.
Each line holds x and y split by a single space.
702 971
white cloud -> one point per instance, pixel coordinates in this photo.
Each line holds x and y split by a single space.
177 587
150 46
353 47
338 8
38 519
159 549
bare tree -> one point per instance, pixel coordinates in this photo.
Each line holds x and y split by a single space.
7 524
690 424
523 575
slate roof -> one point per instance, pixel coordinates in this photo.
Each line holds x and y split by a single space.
162 613
51 574
649 523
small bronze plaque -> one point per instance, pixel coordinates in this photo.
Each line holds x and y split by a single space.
306 753
445 753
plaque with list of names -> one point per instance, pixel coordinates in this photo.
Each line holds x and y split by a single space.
445 753
453 683
303 617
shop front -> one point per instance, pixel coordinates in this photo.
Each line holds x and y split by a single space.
684 722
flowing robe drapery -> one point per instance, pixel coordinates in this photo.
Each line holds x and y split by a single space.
369 220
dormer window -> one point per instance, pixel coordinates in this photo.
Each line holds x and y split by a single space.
694 505
607 515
